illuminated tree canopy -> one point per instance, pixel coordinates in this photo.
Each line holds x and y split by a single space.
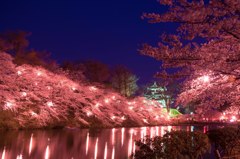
33 97
212 69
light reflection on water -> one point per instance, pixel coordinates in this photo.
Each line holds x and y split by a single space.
105 151
87 141
30 144
96 149
47 153
3 153
113 143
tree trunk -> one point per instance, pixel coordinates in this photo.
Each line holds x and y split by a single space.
168 105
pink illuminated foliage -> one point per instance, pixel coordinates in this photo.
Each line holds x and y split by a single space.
211 70
36 97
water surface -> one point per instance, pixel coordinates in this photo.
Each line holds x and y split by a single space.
116 143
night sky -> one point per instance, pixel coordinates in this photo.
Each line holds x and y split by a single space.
110 31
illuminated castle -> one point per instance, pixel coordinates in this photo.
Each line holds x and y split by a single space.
155 92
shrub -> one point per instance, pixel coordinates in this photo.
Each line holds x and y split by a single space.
175 144
226 140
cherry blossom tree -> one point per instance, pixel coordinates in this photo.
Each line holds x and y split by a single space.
212 69
34 97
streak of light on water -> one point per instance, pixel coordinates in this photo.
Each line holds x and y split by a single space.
4 153
47 153
122 135
113 153
87 143
96 149
105 151
30 145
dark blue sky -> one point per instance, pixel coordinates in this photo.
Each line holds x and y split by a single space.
109 30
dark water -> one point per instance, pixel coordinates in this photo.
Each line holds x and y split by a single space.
117 143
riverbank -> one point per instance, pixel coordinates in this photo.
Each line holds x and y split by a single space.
132 124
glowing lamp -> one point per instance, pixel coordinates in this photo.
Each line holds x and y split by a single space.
233 119
113 97
92 88
50 104
89 113
8 104
19 73
39 73
106 100
221 117
205 78
145 121
131 107
113 117
97 105
123 118
73 88
33 113
24 94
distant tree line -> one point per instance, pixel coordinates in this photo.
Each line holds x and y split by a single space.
119 78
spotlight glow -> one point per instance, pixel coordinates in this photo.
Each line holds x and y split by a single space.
106 100
19 73
92 88
39 73
50 104
23 94
205 78
89 113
